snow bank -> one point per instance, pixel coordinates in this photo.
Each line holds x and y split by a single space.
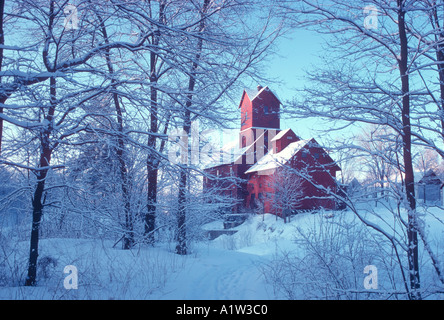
263 234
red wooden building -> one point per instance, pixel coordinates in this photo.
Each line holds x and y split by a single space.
249 173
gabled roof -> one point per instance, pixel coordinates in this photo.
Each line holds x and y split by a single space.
430 177
281 134
274 160
254 93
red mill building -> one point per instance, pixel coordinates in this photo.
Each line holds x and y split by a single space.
263 151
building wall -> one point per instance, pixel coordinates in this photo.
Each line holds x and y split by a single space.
310 161
284 141
246 112
430 194
214 182
266 111
263 111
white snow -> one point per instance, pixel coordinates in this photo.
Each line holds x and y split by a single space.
273 160
229 267
280 134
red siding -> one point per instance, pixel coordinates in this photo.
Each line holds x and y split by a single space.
262 112
285 140
312 160
246 112
264 119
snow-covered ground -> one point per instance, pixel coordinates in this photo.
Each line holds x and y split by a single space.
229 267
225 268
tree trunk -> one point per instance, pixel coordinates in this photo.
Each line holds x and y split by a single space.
153 158
37 205
150 217
412 252
181 247
153 169
37 211
152 161
128 237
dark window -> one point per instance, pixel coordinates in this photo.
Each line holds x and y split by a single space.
265 109
252 199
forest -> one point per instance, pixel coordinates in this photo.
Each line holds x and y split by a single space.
110 109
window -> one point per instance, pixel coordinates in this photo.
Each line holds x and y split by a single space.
304 154
289 138
316 155
266 110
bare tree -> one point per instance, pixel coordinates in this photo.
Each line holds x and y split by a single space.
379 150
360 90
54 95
427 159
288 189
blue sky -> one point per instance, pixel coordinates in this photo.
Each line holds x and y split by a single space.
297 53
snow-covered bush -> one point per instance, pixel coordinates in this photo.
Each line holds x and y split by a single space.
328 262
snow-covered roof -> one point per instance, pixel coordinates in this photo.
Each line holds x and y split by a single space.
254 93
274 160
430 177
280 135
